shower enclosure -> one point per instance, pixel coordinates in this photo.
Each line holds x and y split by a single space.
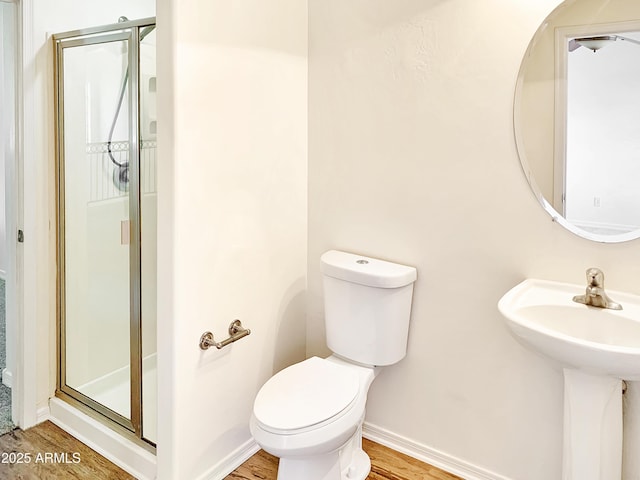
105 85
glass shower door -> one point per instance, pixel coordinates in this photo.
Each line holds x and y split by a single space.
98 202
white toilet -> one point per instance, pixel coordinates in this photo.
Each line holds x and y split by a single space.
311 413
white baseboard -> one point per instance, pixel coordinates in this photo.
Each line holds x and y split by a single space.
232 461
429 455
127 455
43 414
7 377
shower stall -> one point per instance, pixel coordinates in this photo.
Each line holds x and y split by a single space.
105 87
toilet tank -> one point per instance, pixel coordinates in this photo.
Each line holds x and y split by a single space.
367 304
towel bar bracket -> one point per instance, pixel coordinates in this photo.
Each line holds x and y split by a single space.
236 332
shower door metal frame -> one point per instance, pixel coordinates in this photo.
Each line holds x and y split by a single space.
130 32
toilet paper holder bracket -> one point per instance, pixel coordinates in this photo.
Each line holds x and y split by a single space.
236 332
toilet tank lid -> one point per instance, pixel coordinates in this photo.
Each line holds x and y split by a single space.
367 271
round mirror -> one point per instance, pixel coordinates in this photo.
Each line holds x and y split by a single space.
577 120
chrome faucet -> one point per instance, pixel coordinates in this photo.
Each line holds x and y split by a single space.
595 294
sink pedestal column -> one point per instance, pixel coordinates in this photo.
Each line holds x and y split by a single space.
592 448
631 443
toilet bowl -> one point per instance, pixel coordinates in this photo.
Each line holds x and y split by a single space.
310 415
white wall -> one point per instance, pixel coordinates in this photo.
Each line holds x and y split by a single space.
232 116
412 159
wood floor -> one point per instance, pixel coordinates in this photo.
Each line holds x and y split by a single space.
46 452
386 464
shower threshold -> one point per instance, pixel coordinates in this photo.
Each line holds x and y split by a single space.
129 456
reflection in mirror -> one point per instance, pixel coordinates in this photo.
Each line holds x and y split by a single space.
575 115
602 151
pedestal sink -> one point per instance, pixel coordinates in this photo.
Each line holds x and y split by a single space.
597 349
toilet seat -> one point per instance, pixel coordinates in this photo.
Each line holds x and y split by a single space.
305 396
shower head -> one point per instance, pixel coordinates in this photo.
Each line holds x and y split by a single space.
597 42
121 169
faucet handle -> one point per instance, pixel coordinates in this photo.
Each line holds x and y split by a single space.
595 277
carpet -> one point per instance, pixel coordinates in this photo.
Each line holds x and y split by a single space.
6 425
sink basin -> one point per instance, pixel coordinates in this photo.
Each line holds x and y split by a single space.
597 348
542 316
